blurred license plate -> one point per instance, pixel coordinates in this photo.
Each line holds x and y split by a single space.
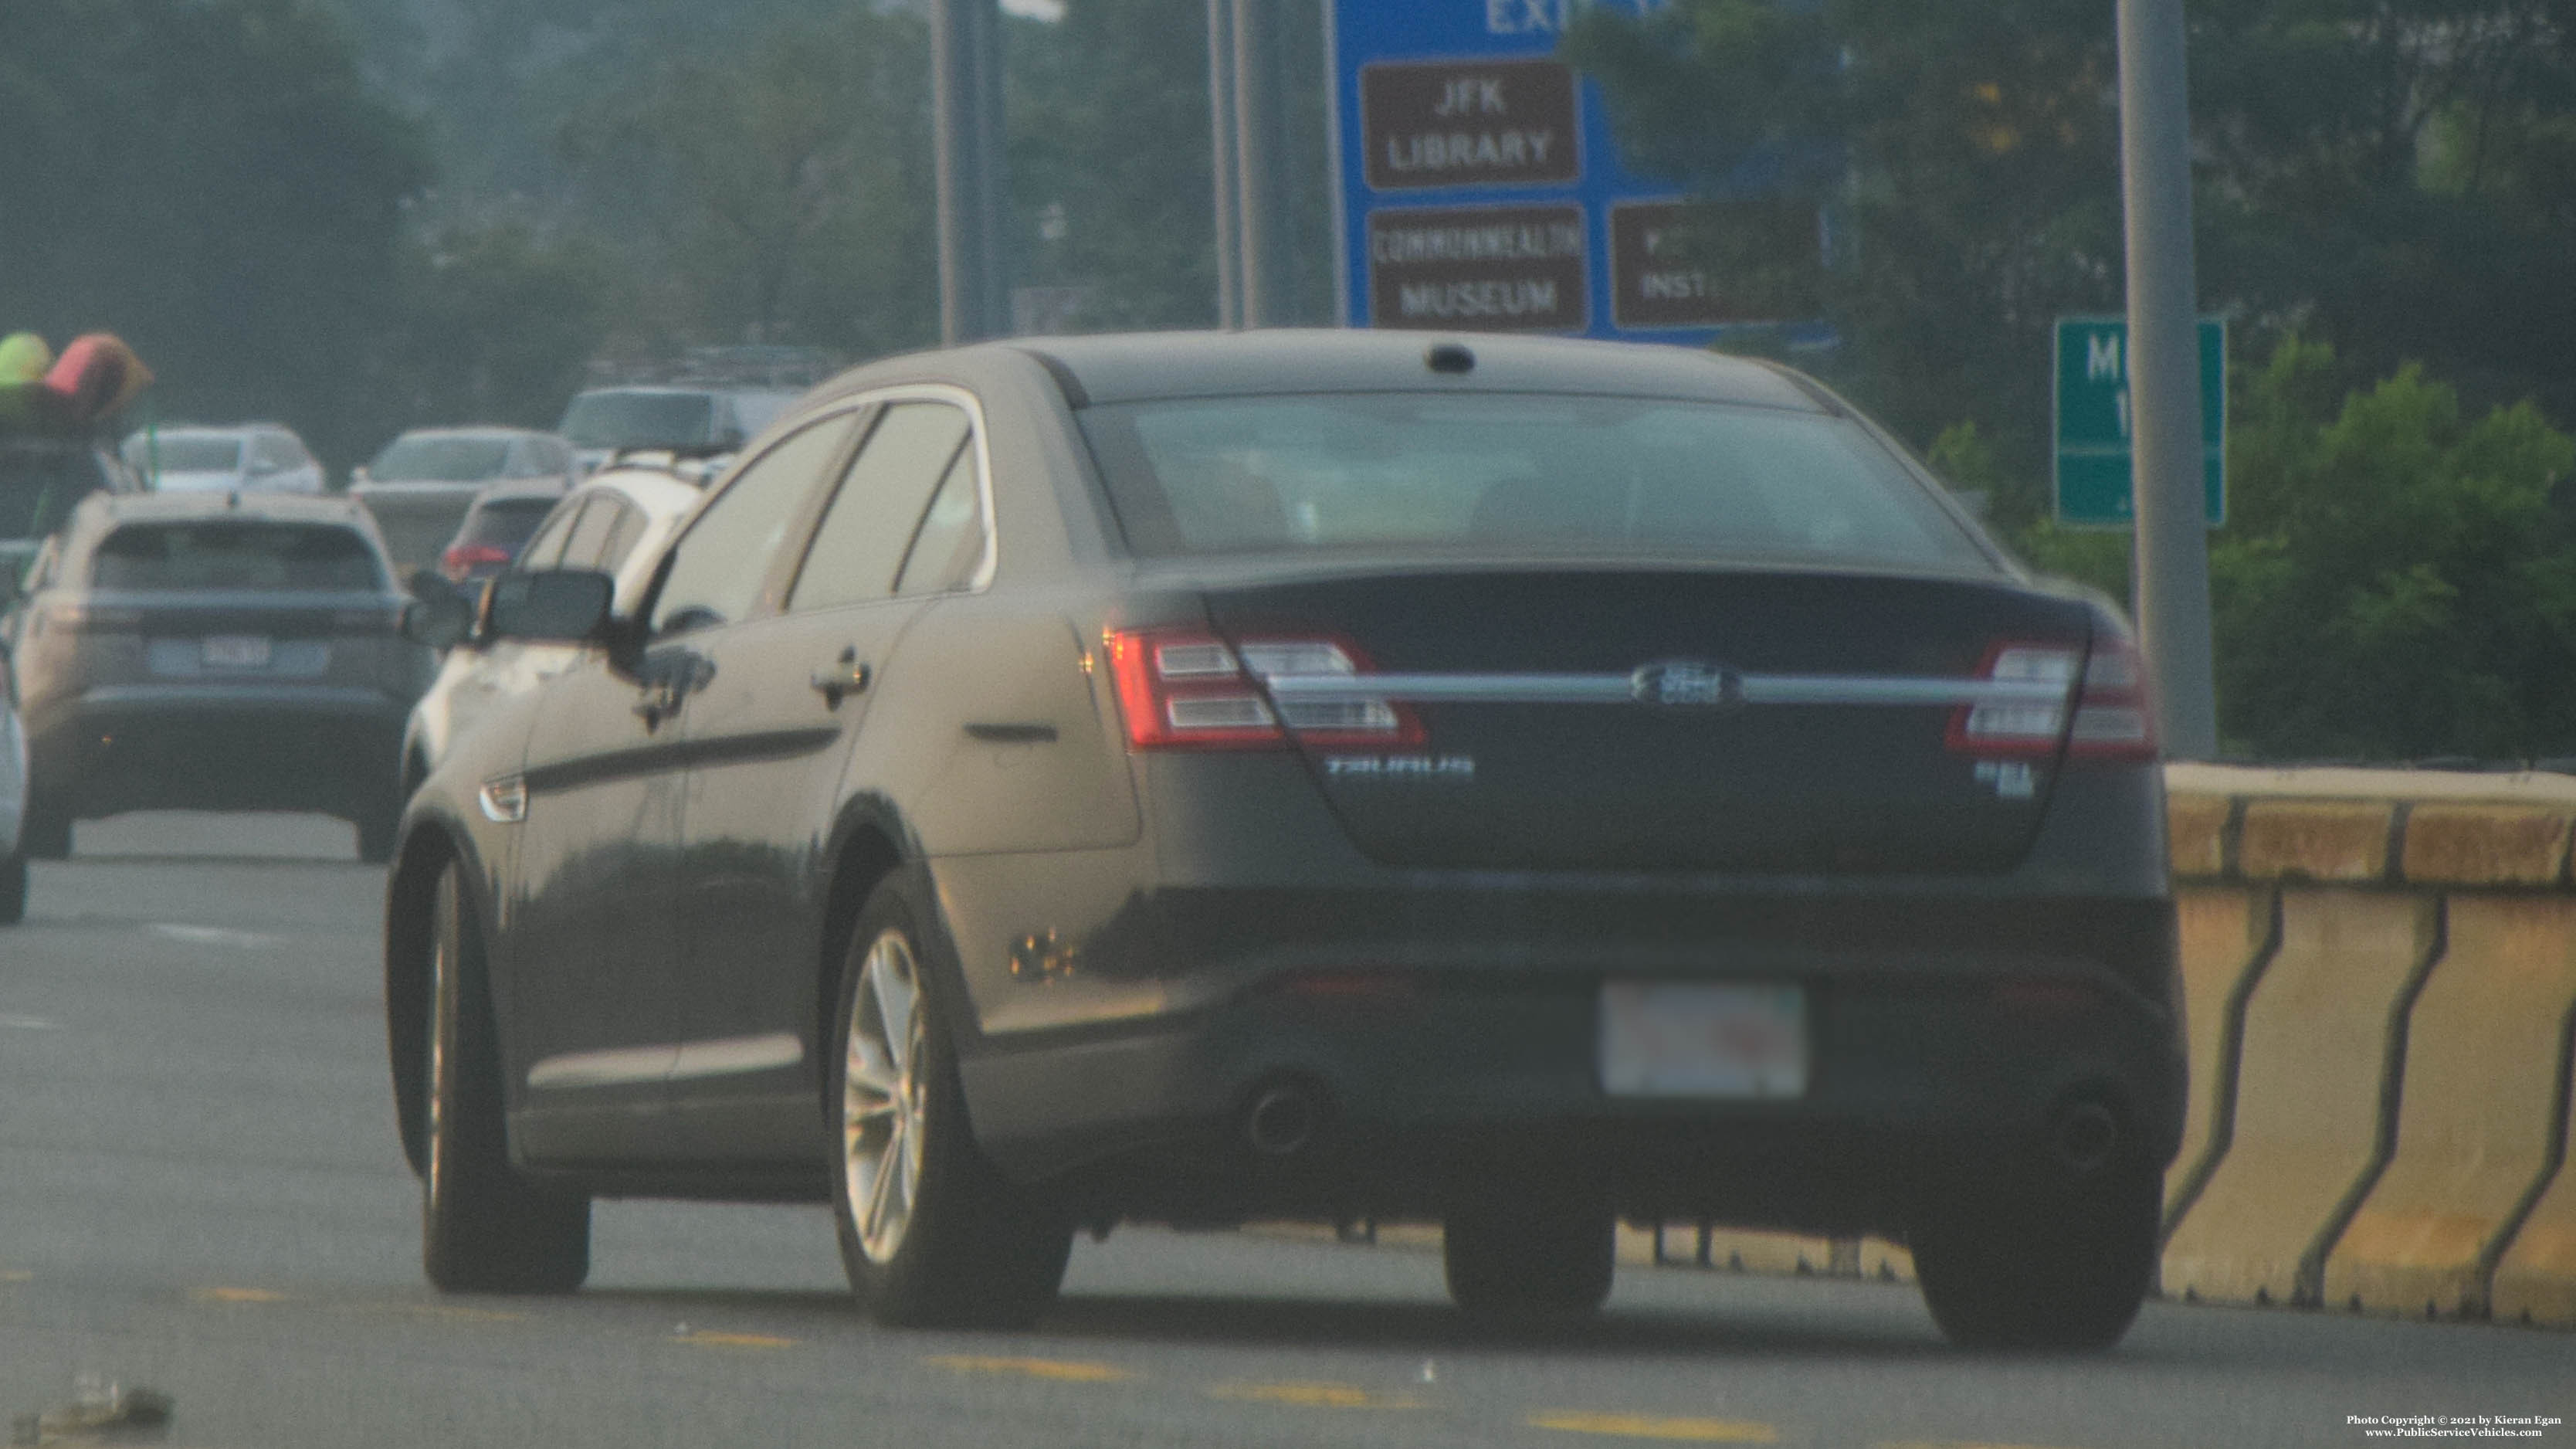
236 651
1670 1039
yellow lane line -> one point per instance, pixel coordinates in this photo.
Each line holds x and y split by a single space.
238 1295
1648 1426
1315 1396
1061 1370
710 1338
1946 1444
16 1275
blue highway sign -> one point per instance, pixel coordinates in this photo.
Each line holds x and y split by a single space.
1480 187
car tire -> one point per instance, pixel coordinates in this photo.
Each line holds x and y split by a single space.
2043 1259
931 1235
484 1228
46 831
13 888
1532 1256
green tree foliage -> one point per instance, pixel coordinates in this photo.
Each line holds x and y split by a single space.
1111 177
2395 582
497 326
781 194
2395 177
210 179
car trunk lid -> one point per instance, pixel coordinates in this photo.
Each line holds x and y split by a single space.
1697 719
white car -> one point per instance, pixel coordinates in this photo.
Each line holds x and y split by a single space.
605 422
421 484
616 524
245 458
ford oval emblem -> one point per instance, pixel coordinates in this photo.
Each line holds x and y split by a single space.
1687 682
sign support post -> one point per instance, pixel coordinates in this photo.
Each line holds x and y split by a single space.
2172 539
1221 133
966 140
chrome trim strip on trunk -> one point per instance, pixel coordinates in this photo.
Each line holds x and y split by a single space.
1797 689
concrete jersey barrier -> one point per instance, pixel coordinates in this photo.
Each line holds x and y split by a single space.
2379 970
2385 1123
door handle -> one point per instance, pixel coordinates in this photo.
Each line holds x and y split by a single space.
844 676
661 701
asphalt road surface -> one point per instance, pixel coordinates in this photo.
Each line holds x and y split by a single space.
200 1191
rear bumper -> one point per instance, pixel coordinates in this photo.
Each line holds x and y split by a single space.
1935 1043
224 747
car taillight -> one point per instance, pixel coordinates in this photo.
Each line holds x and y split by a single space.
2114 717
459 562
1189 689
2107 691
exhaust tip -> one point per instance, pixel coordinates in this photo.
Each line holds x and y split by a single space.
2084 1137
1284 1117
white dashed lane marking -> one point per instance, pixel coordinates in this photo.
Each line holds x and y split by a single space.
216 936
27 1023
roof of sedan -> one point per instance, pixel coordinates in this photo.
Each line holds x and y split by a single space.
213 503
472 430
1134 366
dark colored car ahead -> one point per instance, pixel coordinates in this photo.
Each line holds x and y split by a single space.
213 652
498 523
1206 777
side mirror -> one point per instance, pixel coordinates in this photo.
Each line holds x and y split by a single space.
559 606
439 615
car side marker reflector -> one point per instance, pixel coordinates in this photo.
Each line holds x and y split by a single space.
504 801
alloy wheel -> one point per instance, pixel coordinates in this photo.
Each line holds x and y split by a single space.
883 1096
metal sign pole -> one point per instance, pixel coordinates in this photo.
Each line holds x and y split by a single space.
1221 157
1256 131
965 45
2163 364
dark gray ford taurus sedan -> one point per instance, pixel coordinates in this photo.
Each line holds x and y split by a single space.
1192 778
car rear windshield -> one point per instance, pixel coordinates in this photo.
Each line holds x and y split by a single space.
193 455
38 487
505 522
248 554
1514 473
439 460
637 419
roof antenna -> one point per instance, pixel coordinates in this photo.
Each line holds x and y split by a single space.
1450 357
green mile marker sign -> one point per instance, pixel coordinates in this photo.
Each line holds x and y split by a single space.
2094 480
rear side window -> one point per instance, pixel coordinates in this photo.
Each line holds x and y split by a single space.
598 518
622 539
951 542
859 548
1514 475
152 557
